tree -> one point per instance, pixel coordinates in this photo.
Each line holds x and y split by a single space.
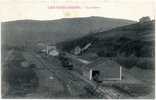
144 19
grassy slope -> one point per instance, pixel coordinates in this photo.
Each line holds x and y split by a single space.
115 40
135 42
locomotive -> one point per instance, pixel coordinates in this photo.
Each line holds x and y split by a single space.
66 63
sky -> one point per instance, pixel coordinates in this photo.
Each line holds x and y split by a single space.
56 9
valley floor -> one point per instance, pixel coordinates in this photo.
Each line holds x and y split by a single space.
54 81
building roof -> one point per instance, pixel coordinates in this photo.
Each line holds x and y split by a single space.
102 62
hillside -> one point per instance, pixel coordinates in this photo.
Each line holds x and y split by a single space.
17 33
135 40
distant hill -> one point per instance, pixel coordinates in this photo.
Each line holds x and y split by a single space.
135 39
17 33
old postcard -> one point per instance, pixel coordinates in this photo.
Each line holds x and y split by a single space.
77 49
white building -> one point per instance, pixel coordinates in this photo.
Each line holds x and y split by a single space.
53 52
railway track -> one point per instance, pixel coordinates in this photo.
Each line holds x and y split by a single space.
69 78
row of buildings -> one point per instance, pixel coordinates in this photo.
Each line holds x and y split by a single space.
49 49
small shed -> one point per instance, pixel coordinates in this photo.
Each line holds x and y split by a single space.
102 69
77 50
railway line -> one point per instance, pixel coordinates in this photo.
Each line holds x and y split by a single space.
72 81
66 78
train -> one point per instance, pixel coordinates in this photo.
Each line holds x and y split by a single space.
65 61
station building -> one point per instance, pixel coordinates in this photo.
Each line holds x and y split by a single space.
102 70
